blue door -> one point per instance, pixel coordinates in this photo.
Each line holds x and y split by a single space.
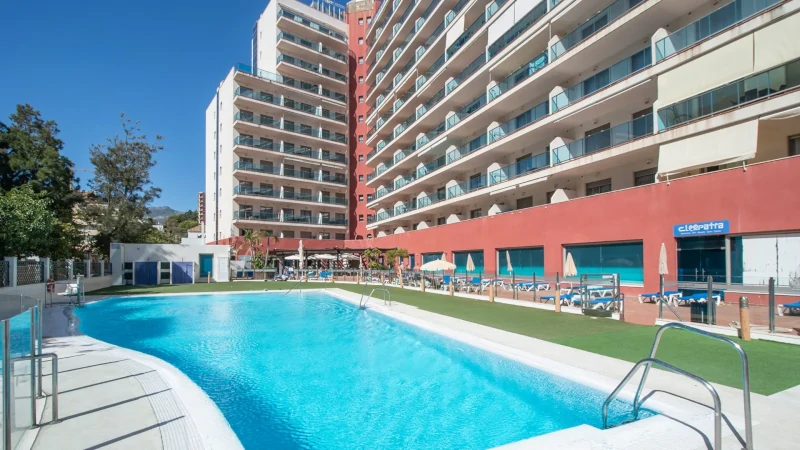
206 265
182 273
146 273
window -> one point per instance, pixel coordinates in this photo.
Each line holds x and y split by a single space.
360 80
361 21
369 217
704 256
460 260
369 236
369 20
360 217
598 187
360 119
361 197
524 261
305 235
475 213
794 145
624 259
644 177
361 60
441 221
361 138
361 41
361 178
369 197
360 158
288 234
360 99
340 236
525 202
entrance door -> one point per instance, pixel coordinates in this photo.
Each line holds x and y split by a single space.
206 266
182 272
146 273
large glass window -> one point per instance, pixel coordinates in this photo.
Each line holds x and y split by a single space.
428 257
460 260
756 259
626 259
524 261
701 257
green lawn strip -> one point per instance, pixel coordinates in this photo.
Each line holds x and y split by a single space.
773 367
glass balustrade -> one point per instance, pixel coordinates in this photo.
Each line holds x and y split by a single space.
466 187
302 85
313 25
528 117
515 31
602 140
518 76
592 26
310 45
522 167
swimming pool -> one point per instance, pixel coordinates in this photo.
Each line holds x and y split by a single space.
308 370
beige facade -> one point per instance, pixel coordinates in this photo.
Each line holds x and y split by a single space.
276 130
485 107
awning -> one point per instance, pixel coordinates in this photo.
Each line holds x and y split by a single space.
723 146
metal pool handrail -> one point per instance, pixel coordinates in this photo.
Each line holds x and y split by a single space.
363 303
647 362
745 377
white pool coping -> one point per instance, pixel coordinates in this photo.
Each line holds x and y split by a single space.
681 424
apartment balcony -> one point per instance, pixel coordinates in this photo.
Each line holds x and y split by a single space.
272 103
250 76
258 195
249 123
261 148
256 172
313 52
243 216
296 67
309 29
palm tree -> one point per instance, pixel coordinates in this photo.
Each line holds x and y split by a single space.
268 236
249 239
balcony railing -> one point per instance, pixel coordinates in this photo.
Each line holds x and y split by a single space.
514 32
466 187
313 25
522 167
727 16
465 36
302 85
293 173
312 67
530 116
266 97
286 218
263 144
319 48
288 195
602 140
628 66
518 76
468 71
250 117
470 108
731 95
288 147
592 26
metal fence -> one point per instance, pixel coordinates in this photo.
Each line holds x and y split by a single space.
95 269
59 270
78 268
30 272
5 274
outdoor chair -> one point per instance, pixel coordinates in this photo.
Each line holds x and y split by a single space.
789 308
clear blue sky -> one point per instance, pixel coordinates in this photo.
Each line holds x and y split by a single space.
83 62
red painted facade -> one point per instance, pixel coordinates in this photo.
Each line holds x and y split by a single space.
755 200
358 22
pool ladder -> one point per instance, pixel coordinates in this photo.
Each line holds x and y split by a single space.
647 362
387 297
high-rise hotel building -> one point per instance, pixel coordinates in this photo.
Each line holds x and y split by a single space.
523 129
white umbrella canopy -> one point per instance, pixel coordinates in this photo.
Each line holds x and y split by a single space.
349 257
301 255
509 267
322 257
437 265
292 258
662 261
470 264
569 267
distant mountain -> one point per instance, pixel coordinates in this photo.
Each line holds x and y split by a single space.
160 213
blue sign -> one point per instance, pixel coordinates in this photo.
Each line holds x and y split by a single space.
701 228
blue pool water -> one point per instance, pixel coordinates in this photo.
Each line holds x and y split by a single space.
311 371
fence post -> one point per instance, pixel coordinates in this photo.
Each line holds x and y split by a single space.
709 300
771 305
70 269
12 270
45 269
660 296
8 414
103 269
558 294
87 267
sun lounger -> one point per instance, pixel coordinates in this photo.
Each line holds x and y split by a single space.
701 297
445 282
566 299
789 308
70 291
671 296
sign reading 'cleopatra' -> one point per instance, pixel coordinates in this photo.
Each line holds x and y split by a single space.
702 228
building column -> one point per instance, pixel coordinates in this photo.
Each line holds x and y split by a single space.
45 268
12 270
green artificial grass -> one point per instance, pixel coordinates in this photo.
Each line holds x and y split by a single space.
773 366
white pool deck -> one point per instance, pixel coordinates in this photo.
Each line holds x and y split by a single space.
117 398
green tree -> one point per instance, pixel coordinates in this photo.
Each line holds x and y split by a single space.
373 259
392 256
155 236
30 154
123 187
268 236
31 227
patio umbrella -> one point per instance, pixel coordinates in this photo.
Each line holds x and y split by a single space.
509 267
662 261
300 255
470 264
292 258
569 266
436 265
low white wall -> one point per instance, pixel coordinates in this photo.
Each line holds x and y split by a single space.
122 253
38 290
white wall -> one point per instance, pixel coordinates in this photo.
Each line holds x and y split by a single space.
38 290
122 253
